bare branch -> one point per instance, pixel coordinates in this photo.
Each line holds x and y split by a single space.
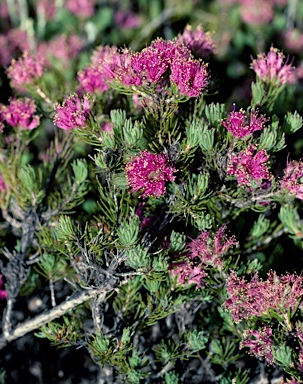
38 321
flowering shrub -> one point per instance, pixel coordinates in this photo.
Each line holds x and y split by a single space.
151 202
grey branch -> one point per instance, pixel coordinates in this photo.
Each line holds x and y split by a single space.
37 322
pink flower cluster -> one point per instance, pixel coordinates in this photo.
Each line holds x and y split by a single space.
2 184
63 48
149 172
127 19
257 297
150 67
25 70
260 343
248 165
293 40
81 8
93 77
188 273
240 125
206 250
20 113
211 248
3 293
73 113
271 69
198 41
292 177
12 43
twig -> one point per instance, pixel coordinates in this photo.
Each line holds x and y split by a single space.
59 310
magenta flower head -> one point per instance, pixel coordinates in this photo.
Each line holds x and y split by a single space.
2 184
270 68
240 125
25 70
91 80
260 343
187 273
256 297
210 248
249 165
190 76
81 8
198 41
3 293
73 113
292 179
149 172
20 113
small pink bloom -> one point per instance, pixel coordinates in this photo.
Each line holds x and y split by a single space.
240 125
248 165
48 8
187 273
3 293
293 40
292 178
199 42
211 248
127 20
260 343
91 80
2 188
148 65
25 70
149 172
107 127
82 8
73 113
20 113
256 12
190 76
271 69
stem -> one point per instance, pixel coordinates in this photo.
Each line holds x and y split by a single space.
38 321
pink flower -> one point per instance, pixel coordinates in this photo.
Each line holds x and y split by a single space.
188 273
199 42
11 44
190 76
292 178
21 113
117 66
149 172
170 50
25 70
210 248
240 125
257 297
260 343
256 12
127 20
107 127
293 40
271 69
73 113
248 165
148 65
2 187
82 8
91 80
48 7
3 293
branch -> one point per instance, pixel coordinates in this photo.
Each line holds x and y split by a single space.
38 321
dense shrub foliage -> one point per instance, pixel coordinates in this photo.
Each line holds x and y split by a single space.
151 185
